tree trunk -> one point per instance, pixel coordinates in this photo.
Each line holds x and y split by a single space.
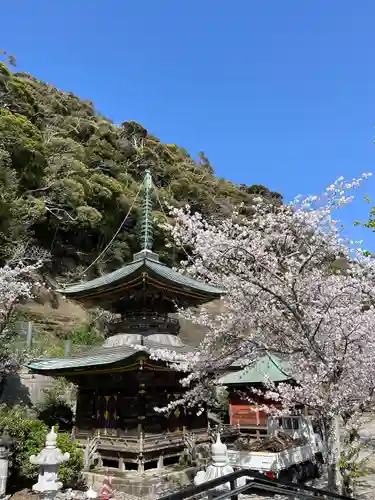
2 383
332 439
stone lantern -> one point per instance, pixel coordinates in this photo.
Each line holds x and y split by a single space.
49 460
6 443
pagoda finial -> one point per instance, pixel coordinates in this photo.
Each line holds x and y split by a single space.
146 235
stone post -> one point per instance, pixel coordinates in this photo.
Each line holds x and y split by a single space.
121 465
219 467
49 460
6 443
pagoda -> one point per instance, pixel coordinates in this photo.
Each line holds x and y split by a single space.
118 384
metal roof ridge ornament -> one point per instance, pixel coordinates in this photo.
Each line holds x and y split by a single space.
146 234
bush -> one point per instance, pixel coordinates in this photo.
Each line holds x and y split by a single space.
55 409
71 472
57 413
29 438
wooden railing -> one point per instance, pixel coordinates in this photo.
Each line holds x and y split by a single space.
150 442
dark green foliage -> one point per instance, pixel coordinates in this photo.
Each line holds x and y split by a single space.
71 472
57 413
29 437
260 190
370 223
69 176
86 334
55 408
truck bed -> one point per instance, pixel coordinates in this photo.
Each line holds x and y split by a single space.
264 461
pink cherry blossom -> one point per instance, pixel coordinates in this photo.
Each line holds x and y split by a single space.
292 287
16 284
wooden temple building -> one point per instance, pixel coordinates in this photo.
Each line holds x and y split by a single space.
118 384
246 408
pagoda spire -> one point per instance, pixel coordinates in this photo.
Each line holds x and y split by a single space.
146 233
147 229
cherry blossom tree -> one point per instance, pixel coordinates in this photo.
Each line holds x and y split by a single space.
292 286
16 283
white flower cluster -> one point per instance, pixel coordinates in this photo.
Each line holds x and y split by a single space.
292 288
16 283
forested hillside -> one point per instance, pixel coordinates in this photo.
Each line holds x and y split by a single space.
68 176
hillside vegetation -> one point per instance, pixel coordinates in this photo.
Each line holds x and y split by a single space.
68 176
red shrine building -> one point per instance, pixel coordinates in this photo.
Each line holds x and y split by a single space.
245 407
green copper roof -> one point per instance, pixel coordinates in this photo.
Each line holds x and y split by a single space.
145 263
99 357
92 358
268 366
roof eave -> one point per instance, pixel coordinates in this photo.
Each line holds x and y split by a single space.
83 293
248 383
50 370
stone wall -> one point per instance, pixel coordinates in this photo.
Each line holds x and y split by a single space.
25 387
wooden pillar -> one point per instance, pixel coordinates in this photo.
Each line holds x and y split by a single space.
257 414
121 465
141 417
141 462
141 401
141 465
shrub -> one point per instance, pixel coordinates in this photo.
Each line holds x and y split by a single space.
57 413
71 472
55 408
29 438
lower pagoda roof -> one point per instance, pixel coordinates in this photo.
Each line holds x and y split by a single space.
116 354
145 268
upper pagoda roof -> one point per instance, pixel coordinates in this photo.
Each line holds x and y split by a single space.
144 269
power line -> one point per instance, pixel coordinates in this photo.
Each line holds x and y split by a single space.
113 237
166 216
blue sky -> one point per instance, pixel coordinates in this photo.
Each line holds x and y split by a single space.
276 92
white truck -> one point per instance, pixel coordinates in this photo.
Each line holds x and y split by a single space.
295 463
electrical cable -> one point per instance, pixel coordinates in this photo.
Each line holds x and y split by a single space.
113 237
162 208
121 226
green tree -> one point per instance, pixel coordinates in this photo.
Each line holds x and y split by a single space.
29 438
69 176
